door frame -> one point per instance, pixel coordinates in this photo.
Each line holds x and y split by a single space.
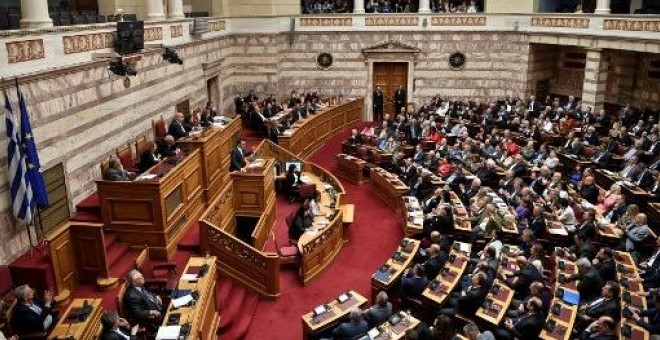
390 52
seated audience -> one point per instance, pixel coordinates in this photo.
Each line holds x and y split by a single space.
354 328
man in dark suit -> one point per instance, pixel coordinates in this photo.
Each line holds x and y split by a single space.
413 282
651 265
140 305
32 315
116 328
602 157
469 299
605 266
488 174
534 105
355 138
644 177
518 167
178 129
380 312
526 274
167 147
652 314
526 326
378 104
399 100
537 224
116 172
354 328
590 283
602 329
237 156
437 259
606 305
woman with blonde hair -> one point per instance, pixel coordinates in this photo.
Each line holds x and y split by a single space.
606 199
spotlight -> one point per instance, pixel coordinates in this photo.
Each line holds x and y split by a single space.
171 56
120 68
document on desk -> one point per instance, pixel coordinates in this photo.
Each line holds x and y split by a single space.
189 277
168 333
182 301
145 177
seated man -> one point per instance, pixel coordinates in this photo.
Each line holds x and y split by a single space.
517 307
526 326
652 324
116 172
355 137
606 305
635 234
178 128
438 255
140 305
379 312
469 299
413 282
116 328
167 147
590 283
527 273
602 329
354 328
32 315
472 332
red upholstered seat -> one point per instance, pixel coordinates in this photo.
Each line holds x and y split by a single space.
125 156
307 190
160 130
289 251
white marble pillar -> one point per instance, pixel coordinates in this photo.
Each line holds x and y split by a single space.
358 6
34 14
175 9
603 7
424 6
155 9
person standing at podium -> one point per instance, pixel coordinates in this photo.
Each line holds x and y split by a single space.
142 306
237 156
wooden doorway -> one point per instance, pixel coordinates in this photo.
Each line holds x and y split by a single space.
388 76
213 92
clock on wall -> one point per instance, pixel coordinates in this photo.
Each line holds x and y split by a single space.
324 60
457 60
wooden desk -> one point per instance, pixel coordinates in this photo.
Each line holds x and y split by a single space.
632 192
154 212
389 332
413 216
202 317
497 303
450 275
390 273
69 326
215 145
565 319
462 223
307 135
388 187
335 311
321 243
626 268
569 163
351 168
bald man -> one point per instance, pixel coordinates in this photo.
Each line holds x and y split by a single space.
178 129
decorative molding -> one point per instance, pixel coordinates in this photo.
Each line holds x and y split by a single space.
391 21
561 22
317 22
631 25
88 42
176 31
458 21
153 33
391 49
227 244
216 26
26 50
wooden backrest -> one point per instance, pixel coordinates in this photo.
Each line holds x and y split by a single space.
119 299
125 156
105 164
159 127
142 258
140 146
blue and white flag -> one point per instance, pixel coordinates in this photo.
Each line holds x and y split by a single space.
20 189
33 167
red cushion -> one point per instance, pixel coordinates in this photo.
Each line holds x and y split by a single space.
160 129
127 161
288 251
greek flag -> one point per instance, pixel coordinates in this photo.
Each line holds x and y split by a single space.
21 191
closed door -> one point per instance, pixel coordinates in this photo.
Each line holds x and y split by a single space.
388 76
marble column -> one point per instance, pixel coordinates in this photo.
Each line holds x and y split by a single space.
34 14
175 9
603 7
155 9
595 79
358 6
424 6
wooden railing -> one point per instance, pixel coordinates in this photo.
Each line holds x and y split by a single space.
264 226
310 134
257 271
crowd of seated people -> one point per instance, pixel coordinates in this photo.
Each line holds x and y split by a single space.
326 6
511 148
457 6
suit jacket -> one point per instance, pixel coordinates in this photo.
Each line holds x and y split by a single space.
378 314
519 169
378 98
471 301
400 97
526 276
608 307
590 285
147 160
488 176
137 306
413 286
109 334
237 160
165 150
606 270
635 235
24 320
528 326
178 130
433 265
351 330
587 229
590 193
644 179
116 175
603 159
538 227
357 139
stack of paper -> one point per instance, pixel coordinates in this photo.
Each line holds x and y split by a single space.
168 333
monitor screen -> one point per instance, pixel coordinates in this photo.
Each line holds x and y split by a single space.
297 164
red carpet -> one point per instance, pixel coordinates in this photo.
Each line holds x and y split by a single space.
373 238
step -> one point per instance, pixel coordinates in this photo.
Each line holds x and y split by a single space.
232 307
115 253
109 240
240 328
122 268
105 284
223 288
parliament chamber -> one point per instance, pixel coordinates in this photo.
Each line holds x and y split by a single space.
330 169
